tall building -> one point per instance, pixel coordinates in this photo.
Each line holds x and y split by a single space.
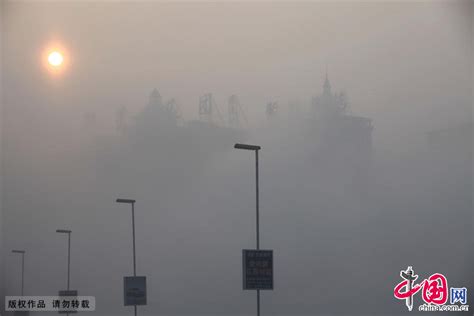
156 117
344 141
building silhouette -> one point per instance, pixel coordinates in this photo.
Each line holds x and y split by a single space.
343 148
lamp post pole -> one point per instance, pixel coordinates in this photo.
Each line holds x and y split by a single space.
68 260
132 202
133 237
68 232
257 203
22 252
257 220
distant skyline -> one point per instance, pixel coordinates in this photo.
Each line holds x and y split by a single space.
412 59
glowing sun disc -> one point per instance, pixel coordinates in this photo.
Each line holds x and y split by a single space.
55 59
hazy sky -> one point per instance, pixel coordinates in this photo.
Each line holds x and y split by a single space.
401 63
406 65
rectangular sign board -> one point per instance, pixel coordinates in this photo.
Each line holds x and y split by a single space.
257 269
70 294
134 290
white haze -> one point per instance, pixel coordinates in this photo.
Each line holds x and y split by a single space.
339 244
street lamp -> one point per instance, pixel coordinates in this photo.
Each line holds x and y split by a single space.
247 147
132 203
67 292
22 252
254 148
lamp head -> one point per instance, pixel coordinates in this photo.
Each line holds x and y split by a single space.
247 147
65 231
127 201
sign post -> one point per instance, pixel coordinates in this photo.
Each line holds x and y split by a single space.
254 276
134 288
67 292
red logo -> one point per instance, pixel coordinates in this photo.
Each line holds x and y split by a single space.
435 288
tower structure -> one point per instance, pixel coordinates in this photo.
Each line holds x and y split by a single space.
155 98
329 103
174 111
208 109
344 140
236 113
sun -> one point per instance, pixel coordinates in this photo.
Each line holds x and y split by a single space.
55 59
